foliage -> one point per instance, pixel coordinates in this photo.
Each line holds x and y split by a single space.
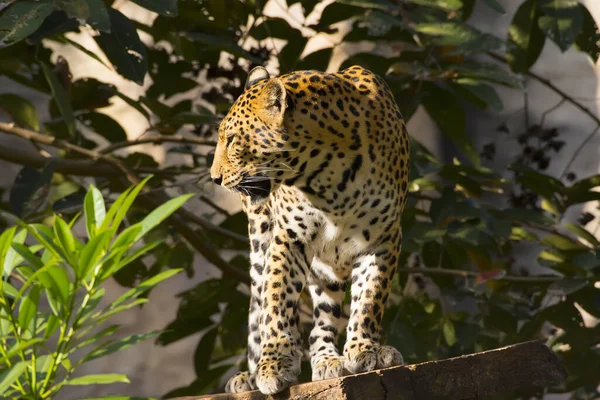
51 319
467 225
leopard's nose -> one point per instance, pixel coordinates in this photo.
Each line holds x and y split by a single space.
218 180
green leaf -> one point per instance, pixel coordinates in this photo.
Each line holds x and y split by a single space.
222 43
31 189
449 332
21 111
124 48
494 5
586 184
94 210
9 290
318 60
117 211
519 233
271 28
336 12
450 5
449 115
196 307
5 244
98 18
588 40
16 349
56 279
61 97
561 21
167 8
12 258
583 234
100 317
98 379
401 336
127 238
204 351
290 54
545 185
53 323
523 216
22 19
65 238
6 327
116 346
28 307
562 242
90 94
378 4
132 257
56 23
8 377
144 286
588 260
78 9
461 35
525 38
581 191
32 260
487 72
486 93
108 331
92 251
160 213
45 236
565 287
104 125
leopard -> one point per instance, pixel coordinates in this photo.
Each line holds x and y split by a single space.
321 164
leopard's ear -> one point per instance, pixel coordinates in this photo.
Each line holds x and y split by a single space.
272 101
256 75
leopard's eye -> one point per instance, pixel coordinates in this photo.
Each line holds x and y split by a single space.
230 139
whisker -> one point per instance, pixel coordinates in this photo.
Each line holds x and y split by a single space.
272 169
278 151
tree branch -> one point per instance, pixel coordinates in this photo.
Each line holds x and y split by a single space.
474 376
32 159
553 87
472 274
156 140
11 129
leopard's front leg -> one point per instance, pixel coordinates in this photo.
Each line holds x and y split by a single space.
260 233
371 283
327 297
284 277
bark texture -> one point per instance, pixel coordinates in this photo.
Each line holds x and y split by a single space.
524 365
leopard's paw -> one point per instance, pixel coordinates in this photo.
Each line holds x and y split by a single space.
241 382
388 356
272 376
328 367
374 358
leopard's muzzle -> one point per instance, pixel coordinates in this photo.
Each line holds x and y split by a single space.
256 186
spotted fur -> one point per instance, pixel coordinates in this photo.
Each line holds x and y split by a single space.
321 162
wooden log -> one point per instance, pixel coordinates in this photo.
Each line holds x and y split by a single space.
524 365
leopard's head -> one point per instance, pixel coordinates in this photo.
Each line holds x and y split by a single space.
251 151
